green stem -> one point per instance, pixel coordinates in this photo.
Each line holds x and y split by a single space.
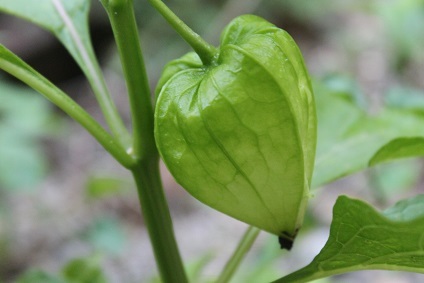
158 222
109 110
90 66
121 15
205 51
12 64
146 173
243 247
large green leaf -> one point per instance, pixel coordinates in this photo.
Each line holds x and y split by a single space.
68 20
349 137
362 238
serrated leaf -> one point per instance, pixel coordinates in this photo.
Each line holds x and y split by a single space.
67 20
362 238
349 137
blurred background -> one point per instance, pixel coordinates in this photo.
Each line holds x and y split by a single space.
65 203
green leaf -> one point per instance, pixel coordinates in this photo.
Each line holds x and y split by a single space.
67 20
84 270
399 148
349 137
362 238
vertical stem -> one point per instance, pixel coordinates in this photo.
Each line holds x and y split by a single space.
243 247
146 172
121 15
158 221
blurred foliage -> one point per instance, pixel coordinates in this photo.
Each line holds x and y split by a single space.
25 118
404 24
37 276
351 136
396 178
106 235
98 187
84 270
405 98
79 270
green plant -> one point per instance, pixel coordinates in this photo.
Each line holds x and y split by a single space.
360 237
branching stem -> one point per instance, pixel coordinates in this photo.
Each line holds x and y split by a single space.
89 64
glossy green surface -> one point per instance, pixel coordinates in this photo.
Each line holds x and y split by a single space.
240 134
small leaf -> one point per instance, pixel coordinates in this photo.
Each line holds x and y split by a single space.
67 20
361 238
99 187
84 270
399 148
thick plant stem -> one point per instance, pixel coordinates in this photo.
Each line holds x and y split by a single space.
146 172
205 51
121 15
158 222
243 247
